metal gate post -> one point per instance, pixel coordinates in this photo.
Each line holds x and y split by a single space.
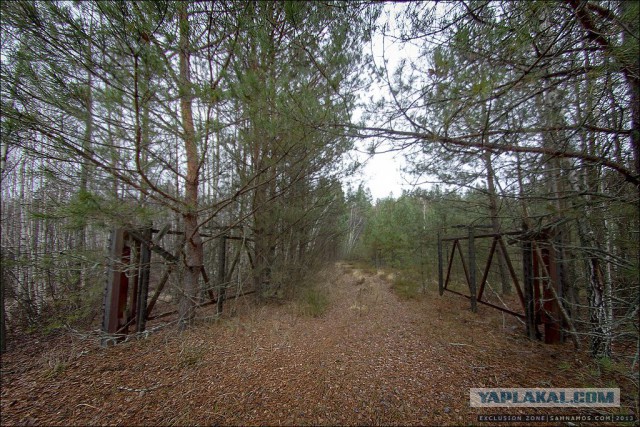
131 304
551 309
112 294
440 278
143 284
472 269
529 308
222 267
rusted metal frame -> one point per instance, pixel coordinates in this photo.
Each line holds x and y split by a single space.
512 271
562 311
117 316
205 277
464 264
248 239
544 281
163 281
497 240
549 305
234 263
181 233
456 244
143 285
222 266
480 236
487 226
487 268
204 304
129 284
160 233
507 258
124 329
450 264
529 308
558 246
506 310
122 293
166 230
158 291
132 294
154 246
471 278
440 278
110 321
535 262
249 257
542 302
123 285
553 306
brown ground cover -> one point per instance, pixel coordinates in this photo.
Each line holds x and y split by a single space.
371 358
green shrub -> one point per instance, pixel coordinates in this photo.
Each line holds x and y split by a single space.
191 356
406 287
313 302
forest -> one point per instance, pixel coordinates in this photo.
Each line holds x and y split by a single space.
226 139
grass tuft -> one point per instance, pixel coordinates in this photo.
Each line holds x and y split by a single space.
406 288
313 302
191 355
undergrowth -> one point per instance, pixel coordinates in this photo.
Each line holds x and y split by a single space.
312 301
406 287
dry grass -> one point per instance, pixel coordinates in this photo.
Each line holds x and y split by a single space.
372 358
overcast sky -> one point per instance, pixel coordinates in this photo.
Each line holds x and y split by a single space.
382 172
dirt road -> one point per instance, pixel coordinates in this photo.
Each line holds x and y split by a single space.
370 359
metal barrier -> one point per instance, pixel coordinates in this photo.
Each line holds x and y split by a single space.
126 301
542 267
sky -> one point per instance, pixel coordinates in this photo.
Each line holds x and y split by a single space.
383 177
382 172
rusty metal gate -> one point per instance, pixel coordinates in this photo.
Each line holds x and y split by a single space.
126 301
542 266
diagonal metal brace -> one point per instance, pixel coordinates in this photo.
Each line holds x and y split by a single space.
154 247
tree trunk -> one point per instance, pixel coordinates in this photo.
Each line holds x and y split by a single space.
599 293
193 250
81 244
3 325
261 243
631 71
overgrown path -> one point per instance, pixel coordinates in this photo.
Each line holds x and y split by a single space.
371 358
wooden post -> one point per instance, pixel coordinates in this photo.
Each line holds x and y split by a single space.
472 269
143 282
222 266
